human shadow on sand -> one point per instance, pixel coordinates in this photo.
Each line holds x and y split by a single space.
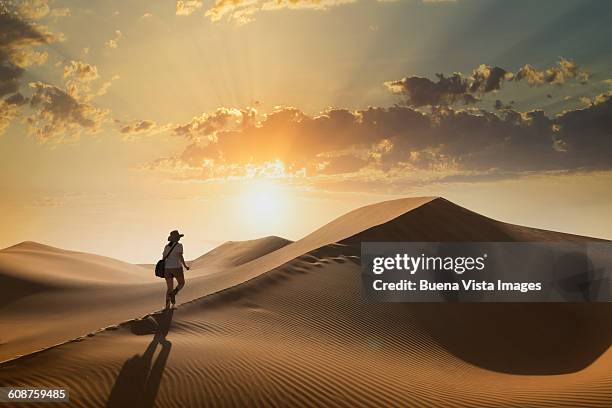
138 381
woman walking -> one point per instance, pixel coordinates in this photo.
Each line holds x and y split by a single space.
174 262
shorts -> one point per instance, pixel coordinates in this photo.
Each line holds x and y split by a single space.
174 273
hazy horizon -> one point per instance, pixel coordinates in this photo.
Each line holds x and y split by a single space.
198 246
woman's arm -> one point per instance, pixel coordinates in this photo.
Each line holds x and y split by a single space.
183 261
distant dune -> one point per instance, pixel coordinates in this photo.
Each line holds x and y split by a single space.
234 253
271 322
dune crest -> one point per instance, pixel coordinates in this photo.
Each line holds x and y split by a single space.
234 253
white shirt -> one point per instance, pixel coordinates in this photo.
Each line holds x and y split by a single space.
173 260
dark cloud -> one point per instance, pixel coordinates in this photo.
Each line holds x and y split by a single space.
15 35
341 165
486 79
586 134
9 77
419 91
140 126
499 105
387 143
206 125
18 40
16 99
458 88
56 113
58 116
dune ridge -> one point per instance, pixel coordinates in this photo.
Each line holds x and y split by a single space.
234 253
290 328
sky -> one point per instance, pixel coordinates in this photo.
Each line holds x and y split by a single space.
233 120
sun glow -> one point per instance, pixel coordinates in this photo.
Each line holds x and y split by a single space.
263 205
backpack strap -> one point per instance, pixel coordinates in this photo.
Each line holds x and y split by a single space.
169 252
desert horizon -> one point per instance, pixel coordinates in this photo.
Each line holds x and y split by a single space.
148 261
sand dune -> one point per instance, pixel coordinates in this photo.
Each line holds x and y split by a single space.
290 328
442 220
57 267
51 295
234 253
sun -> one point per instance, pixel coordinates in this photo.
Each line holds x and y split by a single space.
263 205
265 198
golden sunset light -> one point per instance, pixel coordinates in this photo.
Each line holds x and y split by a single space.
264 205
176 106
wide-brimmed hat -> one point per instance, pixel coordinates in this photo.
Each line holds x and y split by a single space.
174 234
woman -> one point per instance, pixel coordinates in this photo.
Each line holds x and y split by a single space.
174 262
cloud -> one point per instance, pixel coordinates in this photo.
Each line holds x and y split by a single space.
60 12
419 91
486 79
114 42
26 57
16 50
18 40
106 85
458 88
79 77
136 127
8 111
38 9
9 78
81 71
557 75
33 9
204 127
242 11
58 116
391 144
585 133
342 164
187 7
16 99
499 105
51 113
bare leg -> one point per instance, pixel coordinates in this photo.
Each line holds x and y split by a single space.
180 279
169 284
